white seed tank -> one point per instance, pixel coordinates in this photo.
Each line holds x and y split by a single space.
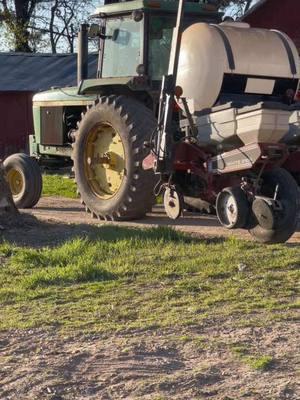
229 62
233 56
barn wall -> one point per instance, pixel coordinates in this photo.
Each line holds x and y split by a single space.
283 15
16 121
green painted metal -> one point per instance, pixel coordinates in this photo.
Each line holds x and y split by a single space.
94 86
63 95
54 97
33 146
37 125
37 150
61 151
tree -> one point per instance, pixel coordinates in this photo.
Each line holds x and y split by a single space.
60 20
64 12
34 24
16 14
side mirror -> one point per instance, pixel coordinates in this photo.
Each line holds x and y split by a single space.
115 35
94 31
121 37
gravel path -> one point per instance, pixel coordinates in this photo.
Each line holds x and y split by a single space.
57 209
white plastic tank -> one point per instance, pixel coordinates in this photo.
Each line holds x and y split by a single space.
258 57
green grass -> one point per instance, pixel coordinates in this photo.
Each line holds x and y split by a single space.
257 362
57 185
262 363
122 279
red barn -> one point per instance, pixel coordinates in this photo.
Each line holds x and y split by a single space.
23 75
283 15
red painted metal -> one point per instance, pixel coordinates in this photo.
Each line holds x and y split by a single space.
292 164
16 122
282 15
192 159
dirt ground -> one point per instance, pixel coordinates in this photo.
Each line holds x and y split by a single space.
152 364
56 209
149 365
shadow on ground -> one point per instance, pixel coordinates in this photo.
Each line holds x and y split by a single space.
56 220
32 232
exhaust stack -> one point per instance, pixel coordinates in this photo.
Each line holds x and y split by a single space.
83 53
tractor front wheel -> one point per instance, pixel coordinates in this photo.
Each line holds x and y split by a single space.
108 154
24 178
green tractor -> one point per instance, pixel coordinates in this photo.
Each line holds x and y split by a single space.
101 126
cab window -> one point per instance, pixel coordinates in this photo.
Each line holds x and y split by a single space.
122 48
160 41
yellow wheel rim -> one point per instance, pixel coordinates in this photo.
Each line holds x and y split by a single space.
104 161
16 181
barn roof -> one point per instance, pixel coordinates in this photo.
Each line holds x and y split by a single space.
25 72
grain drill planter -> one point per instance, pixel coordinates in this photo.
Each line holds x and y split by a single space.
228 131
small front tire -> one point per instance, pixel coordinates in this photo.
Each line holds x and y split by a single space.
25 179
232 208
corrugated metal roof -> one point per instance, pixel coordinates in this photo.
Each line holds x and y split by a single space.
35 72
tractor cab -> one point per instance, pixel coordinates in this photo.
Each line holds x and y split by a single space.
135 41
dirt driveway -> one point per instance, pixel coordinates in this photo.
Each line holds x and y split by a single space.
151 365
59 209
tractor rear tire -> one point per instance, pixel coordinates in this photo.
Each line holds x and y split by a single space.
108 153
288 195
25 179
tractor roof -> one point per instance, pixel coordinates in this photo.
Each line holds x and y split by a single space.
170 6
